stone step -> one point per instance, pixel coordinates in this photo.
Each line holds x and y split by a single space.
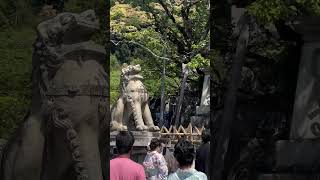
301 156
289 177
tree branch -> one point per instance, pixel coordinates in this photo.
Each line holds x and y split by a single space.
170 15
140 45
173 37
185 10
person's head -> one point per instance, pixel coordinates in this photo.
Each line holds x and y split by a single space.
155 145
184 152
165 141
206 136
124 142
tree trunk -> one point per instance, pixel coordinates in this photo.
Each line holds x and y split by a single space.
162 93
179 104
223 135
220 16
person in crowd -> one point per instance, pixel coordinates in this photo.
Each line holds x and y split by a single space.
122 167
172 163
203 153
184 152
154 163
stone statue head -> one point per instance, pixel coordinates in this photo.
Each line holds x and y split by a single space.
68 28
131 69
68 66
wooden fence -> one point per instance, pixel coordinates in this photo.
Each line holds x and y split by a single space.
191 133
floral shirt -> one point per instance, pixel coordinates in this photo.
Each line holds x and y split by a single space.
155 166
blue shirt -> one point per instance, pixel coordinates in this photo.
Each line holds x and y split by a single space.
189 174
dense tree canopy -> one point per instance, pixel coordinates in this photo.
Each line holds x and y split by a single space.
148 30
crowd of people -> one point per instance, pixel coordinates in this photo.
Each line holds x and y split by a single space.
185 163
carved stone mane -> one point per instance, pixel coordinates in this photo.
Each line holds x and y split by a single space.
128 73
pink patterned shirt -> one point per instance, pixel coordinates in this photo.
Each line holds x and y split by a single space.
155 166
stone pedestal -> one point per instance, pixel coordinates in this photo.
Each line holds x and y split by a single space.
205 97
306 119
202 116
298 158
142 139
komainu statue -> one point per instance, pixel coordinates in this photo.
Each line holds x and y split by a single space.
133 101
63 137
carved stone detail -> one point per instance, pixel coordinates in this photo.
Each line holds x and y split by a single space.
62 137
133 100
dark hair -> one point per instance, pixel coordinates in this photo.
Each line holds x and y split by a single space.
184 152
124 142
206 135
164 140
155 142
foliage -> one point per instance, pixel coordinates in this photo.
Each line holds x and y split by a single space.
184 24
153 77
115 72
125 18
15 12
274 10
132 21
198 61
270 14
133 24
15 72
78 6
273 45
99 6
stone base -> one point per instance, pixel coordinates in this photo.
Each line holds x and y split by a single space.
301 156
202 110
288 177
199 121
142 139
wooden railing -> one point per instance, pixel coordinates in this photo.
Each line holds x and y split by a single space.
191 133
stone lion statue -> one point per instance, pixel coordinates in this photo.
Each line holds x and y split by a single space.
133 102
63 136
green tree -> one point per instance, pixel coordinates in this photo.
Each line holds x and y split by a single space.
140 24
